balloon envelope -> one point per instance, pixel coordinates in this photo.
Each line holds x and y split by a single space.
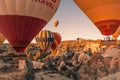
57 40
105 14
21 20
45 39
55 23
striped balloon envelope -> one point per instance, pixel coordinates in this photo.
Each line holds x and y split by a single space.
22 20
45 39
2 39
105 14
57 40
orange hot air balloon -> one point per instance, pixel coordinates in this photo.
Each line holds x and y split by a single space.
21 20
2 39
117 33
44 39
105 14
57 40
55 23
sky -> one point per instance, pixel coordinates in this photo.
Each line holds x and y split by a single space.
73 23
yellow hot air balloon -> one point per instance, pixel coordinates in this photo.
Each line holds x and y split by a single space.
55 23
2 39
44 39
117 33
105 14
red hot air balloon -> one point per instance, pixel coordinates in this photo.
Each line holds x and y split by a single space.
57 40
105 14
21 20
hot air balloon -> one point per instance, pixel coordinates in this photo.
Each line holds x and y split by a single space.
21 20
55 23
57 40
105 14
45 39
2 39
117 33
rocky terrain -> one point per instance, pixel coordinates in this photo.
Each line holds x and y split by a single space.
77 61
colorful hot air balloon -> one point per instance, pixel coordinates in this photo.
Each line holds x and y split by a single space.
117 33
105 14
57 40
55 23
21 20
2 38
45 39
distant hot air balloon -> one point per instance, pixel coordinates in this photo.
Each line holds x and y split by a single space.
117 33
57 40
55 23
2 39
45 39
105 14
21 20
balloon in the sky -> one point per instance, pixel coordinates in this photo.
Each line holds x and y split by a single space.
2 38
57 40
21 20
117 33
45 39
55 23
105 14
